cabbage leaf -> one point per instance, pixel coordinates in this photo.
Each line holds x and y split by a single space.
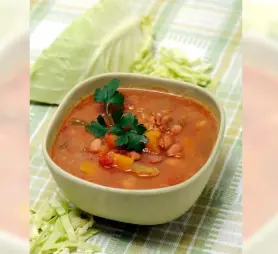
106 38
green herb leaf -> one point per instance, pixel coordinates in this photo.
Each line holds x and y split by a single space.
116 130
122 140
109 94
136 142
104 94
117 115
141 129
117 99
129 132
128 121
96 129
101 120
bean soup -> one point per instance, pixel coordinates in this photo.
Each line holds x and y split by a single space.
135 139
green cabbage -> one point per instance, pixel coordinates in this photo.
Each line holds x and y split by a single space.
106 38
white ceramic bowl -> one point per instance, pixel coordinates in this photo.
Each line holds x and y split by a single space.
145 207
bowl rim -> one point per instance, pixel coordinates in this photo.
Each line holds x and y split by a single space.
63 173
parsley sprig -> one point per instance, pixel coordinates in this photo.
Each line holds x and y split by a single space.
130 134
109 94
97 128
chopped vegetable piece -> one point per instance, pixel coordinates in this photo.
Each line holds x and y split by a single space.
123 162
53 238
142 170
68 228
58 227
39 240
88 167
75 219
83 229
110 140
107 161
153 133
153 144
45 213
65 232
104 149
60 208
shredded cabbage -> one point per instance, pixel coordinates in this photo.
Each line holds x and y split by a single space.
172 63
57 227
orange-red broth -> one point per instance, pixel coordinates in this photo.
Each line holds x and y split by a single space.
197 139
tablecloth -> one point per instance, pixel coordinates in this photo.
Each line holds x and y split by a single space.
214 223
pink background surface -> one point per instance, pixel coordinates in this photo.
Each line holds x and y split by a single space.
14 155
260 146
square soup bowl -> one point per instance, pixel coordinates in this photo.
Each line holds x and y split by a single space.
143 207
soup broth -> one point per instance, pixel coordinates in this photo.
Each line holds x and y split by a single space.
181 134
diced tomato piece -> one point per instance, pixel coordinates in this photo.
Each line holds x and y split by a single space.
110 140
105 149
106 161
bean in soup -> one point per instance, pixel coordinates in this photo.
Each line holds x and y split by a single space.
161 140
